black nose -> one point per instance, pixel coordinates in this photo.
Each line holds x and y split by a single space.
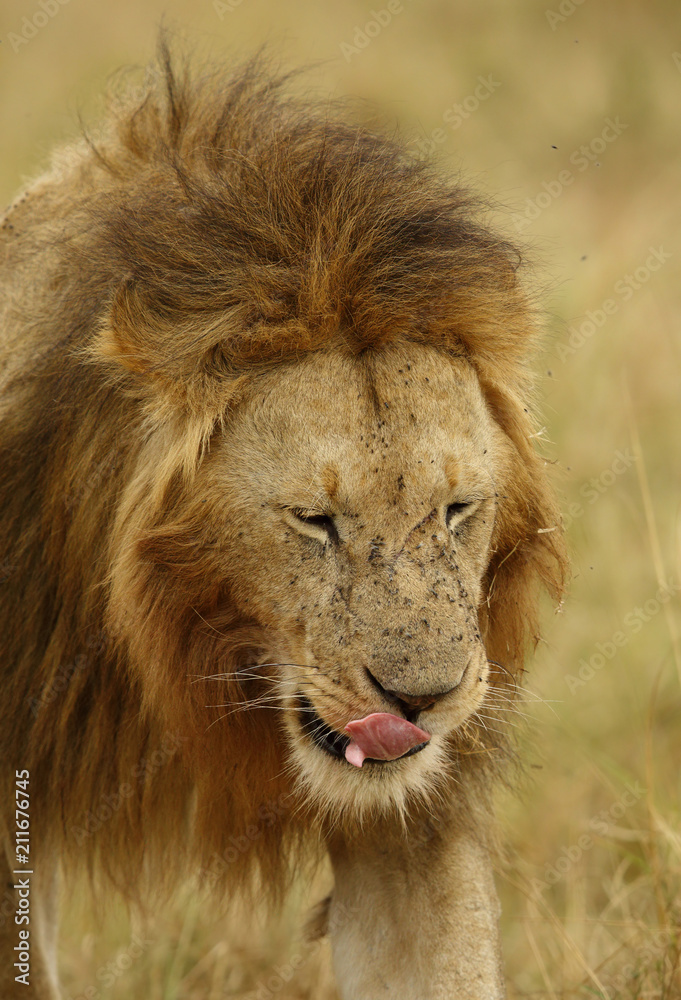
411 704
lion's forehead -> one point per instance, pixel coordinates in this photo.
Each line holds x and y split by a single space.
400 420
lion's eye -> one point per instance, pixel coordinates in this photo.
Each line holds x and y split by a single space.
321 525
455 510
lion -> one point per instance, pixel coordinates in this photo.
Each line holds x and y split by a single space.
274 527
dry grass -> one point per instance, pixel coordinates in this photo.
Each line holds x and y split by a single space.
602 919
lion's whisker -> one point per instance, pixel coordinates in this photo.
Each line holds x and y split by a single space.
490 718
238 677
251 666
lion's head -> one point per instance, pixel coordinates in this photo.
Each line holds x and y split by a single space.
363 508
307 354
353 505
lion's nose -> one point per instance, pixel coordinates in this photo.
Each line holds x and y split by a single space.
416 701
408 702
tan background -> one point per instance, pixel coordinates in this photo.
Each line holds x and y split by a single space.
582 917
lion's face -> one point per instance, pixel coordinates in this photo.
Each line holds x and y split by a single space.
361 512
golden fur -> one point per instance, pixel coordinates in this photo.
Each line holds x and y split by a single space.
229 308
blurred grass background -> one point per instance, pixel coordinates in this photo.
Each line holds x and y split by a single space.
582 917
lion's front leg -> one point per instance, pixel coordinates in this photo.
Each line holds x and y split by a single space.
415 919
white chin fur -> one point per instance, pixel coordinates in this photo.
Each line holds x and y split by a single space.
340 791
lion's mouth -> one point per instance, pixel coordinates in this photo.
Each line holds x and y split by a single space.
336 744
326 738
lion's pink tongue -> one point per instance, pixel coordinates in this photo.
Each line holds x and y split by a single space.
381 736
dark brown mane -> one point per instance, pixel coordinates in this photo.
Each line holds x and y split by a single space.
283 227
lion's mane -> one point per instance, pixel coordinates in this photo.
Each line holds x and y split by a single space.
215 227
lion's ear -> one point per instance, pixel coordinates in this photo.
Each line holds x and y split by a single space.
124 336
178 361
529 548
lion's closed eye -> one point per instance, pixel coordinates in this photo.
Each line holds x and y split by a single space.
458 510
313 524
